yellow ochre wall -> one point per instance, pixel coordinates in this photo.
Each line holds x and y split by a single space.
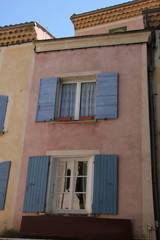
16 66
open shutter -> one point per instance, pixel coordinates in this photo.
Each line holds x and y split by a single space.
3 107
36 185
51 200
4 174
105 184
107 96
46 99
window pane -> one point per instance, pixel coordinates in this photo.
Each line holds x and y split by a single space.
80 168
63 184
71 186
80 184
88 95
64 169
79 201
68 94
64 174
63 201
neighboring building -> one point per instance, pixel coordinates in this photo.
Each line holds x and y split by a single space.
123 17
87 139
152 21
16 67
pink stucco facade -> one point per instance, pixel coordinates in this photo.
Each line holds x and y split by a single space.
131 24
121 136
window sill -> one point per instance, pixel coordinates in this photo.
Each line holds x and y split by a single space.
3 132
73 121
86 118
68 213
70 120
80 118
64 119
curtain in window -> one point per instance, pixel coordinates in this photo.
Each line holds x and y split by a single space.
88 93
68 95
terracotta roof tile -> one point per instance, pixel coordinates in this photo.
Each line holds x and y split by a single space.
112 14
151 18
19 33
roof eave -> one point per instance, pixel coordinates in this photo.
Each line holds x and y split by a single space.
105 9
92 41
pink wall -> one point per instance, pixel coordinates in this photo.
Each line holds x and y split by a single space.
132 24
120 136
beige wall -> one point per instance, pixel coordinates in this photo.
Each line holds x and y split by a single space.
16 65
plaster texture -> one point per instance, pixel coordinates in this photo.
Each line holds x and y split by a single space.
121 136
132 24
16 64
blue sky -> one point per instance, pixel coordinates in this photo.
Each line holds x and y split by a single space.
54 15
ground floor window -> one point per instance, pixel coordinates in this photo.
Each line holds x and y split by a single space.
70 188
72 184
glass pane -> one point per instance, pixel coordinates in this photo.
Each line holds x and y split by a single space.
62 201
88 97
63 184
79 201
80 168
68 95
80 184
64 169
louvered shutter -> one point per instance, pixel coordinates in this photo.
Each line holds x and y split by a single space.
3 107
36 184
4 174
105 184
51 200
46 99
107 96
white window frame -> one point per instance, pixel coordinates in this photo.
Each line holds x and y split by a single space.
78 96
52 186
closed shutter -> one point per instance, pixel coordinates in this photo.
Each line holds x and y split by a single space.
4 174
46 99
36 185
3 107
105 184
107 96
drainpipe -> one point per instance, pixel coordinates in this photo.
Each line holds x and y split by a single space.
153 140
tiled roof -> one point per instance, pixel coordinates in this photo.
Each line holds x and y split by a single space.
113 14
19 33
152 18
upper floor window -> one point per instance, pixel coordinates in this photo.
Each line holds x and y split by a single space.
78 100
119 29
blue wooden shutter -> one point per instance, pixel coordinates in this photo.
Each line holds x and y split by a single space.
36 184
4 174
3 107
107 96
105 184
46 99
